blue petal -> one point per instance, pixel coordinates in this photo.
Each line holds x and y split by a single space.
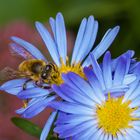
97 70
37 107
77 88
107 73
33 93
76 96
77 129
20 111
129 54
132 87
135 93
105 42
30 48
79 39
129 78
53 27
69 82
30 103
71 108
61 37
86 41
97 135
15 86
135 102
16 49
47 126
133 134
81 84
13 83
76 119
90 131
84 135
136 71
49 42
121 88
93 37
60 93
120 72
97 89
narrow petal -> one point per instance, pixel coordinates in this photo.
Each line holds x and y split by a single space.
13 83
78 81
129 53
76 119
107 73
94 82
93 37
120 72
33 93
30 103
86 41
38 107
47 126
18 50
53 27
30 48
97 70
60 93
135 93
105 42
78 89
61 36
71 108
69 82
49 42
128 79
132 87
77 129
15 86
79 39
76 96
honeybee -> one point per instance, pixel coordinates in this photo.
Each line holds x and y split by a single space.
35 70
39 71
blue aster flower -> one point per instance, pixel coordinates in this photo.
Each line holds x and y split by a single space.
57 46
104 106
39 98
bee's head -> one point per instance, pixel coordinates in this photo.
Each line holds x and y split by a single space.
46 71
50 73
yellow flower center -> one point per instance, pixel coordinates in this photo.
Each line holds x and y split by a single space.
114 115
65 68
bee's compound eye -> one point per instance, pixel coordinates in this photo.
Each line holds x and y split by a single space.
44 75
48 67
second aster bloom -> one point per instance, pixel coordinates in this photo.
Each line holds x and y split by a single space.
105 106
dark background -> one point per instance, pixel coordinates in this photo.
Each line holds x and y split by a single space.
17 17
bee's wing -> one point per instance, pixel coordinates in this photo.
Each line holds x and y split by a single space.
8 74
20 51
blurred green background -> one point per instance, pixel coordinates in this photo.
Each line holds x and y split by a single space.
108 12
17 17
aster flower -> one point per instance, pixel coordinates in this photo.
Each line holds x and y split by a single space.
57 46
104 106
39 98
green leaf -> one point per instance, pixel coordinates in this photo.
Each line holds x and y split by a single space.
27 126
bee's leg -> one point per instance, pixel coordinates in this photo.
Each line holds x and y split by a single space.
25 84
46 87
39 84
25 102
